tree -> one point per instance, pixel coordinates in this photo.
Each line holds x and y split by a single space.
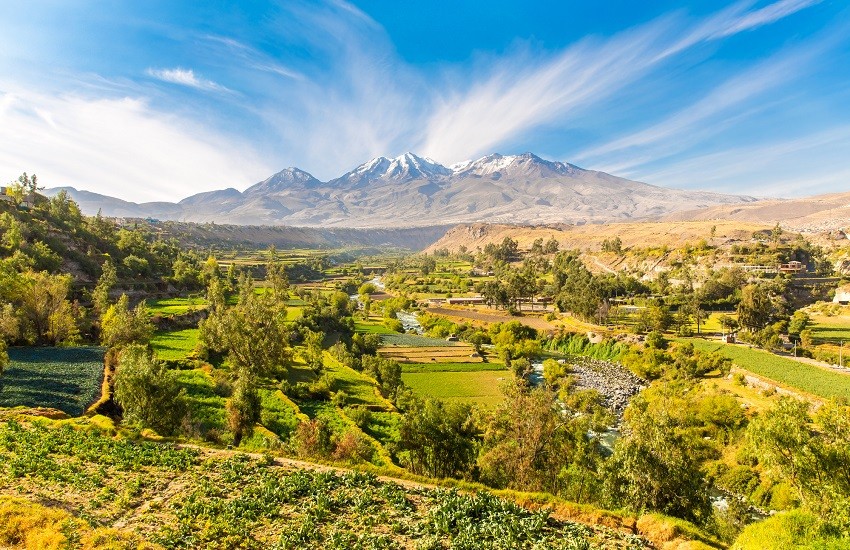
107 280
313 352
439 439
243 408
755 309
121 326
551 246
532 444
655 465
48 316
149 394
253 333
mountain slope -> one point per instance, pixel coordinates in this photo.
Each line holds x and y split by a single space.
819 213
409 191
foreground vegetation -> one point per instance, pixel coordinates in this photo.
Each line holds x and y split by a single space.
267 352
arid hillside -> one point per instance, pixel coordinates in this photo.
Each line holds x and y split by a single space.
820 213
591 236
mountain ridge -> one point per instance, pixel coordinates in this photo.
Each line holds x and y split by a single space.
409 191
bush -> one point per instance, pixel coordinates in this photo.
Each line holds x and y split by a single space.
149 394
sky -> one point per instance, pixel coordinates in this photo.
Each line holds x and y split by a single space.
161 99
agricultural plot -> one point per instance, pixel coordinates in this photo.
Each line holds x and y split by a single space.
221 499
478 387
67 379
795 374
436 354
830 329
175 345
207 410
450 367
412 340
175 306
364 327
360 389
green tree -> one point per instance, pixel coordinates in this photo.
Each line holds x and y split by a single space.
755 309
148 393
313 349
107 280
48 316
532 444
120 326
656 466
439 439
243 408
253 333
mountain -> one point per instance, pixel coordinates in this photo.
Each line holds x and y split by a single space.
816 214
411 191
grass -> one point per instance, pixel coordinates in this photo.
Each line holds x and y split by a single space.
175 345
830 329
277 415
371 328
361 389
478 387
808 378
451 367
175 306
206 408
68 379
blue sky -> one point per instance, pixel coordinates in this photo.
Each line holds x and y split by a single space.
158 100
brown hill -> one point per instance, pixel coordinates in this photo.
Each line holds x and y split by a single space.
590 236
820 213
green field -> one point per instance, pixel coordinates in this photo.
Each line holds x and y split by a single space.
67 379
451 367
830 329
372 328
175 306
175 345
206 408
808 378
478 387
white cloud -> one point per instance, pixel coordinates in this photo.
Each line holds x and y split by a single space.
186 77
520 92
120 147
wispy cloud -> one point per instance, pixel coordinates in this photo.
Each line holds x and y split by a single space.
520 92
802 165
186 77
710 113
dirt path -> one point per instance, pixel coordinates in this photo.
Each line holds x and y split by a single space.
533 322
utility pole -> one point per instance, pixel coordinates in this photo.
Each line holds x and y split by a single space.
841 354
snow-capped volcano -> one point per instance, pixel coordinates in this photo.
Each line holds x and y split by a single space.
410 190
402 168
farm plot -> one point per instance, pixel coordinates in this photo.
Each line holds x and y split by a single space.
175 306
412 340
796 374
436 354
175 345
477 387
67 379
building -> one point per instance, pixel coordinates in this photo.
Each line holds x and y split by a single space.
467 301
4 196
792 267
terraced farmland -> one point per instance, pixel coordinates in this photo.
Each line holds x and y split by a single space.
805 377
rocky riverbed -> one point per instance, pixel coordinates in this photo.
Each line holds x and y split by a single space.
614 382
